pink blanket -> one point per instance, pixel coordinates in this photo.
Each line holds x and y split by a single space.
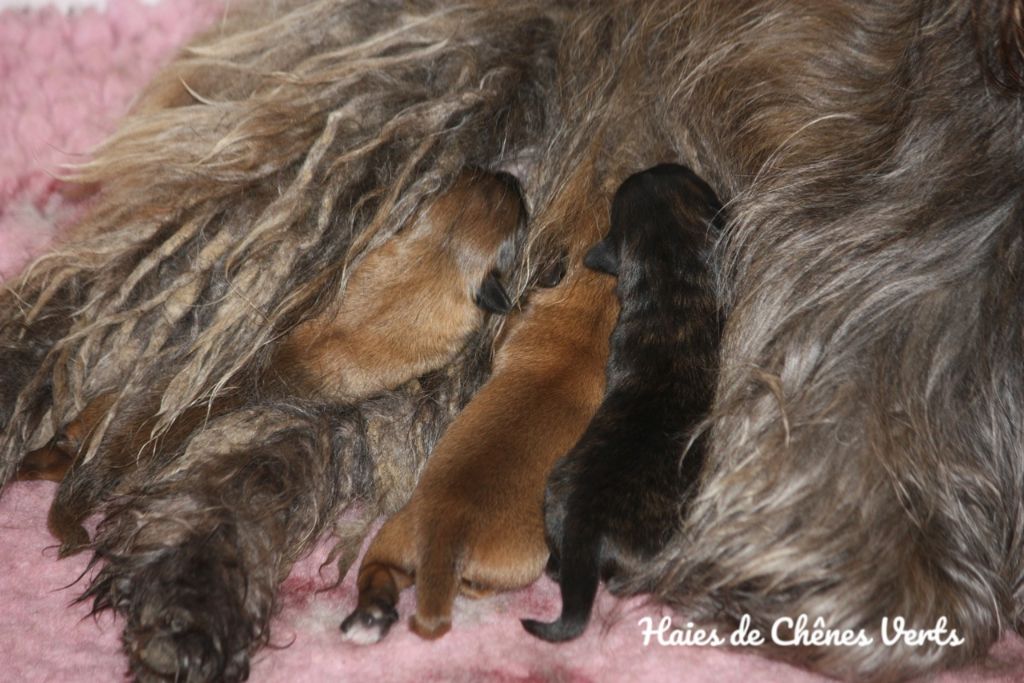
66 79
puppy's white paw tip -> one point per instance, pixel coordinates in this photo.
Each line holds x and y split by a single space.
360 634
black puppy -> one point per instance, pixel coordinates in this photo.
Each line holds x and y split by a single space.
614 500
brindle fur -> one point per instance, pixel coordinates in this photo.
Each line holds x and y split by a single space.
614 501
864 454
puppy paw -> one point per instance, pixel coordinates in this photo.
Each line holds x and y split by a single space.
554 632
368 625
430 629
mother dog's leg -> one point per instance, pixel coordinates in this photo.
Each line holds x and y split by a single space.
193 561
193 552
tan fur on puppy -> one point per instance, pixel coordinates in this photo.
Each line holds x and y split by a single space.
413 302
474 522
52 461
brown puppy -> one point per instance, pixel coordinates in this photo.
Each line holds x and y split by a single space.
409 307
475 520
414 301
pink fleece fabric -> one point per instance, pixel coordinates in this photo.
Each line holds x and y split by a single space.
65 80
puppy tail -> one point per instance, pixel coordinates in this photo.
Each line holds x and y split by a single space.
438 578
579 575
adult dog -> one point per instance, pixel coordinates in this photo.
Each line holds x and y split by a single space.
865 453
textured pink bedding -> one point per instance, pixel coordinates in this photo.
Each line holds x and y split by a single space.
64 80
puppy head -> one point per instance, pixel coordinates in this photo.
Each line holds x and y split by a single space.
485 220
604 256
492 296
645 204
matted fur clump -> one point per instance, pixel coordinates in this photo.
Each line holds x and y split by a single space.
865 451
193 550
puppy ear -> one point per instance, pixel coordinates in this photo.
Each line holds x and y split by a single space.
602 258
492 296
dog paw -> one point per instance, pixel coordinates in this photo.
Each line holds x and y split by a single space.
368 625
178 648
193 614
430 629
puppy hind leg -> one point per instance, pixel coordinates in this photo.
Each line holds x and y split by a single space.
194 556
579 575
438 581
557 492
383 575
379 587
